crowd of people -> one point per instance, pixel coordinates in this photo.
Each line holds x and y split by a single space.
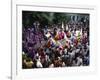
55 46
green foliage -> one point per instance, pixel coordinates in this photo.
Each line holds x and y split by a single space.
45 18
48 18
